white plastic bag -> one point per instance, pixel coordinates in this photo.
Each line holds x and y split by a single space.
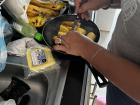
19 47
3 50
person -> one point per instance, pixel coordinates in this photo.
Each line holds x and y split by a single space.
120 62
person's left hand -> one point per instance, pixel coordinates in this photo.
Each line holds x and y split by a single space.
73 43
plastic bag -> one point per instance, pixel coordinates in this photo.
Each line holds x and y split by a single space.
19 47
3 50
40 60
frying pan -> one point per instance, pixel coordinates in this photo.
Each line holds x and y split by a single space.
51 29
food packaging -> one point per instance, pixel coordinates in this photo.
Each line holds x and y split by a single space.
40 60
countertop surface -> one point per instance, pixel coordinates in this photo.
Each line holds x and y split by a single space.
68 89
69 85
74 82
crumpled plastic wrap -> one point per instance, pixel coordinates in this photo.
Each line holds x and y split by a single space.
19 47
40 60
28 48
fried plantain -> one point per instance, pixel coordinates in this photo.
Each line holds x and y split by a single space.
91 36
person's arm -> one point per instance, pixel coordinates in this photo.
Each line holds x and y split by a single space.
83 8
121 72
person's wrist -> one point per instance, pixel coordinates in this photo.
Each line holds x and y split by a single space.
86 49
82 52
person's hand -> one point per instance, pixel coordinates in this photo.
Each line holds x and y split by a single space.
73 43
83 8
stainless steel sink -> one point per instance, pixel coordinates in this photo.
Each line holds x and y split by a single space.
46 88
38 84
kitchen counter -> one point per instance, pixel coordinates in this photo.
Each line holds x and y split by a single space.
74 82
56 78
66 85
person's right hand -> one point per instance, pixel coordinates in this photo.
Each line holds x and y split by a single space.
72 43
83 7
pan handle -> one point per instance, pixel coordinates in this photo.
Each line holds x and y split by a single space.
100 79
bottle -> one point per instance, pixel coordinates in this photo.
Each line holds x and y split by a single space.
3 50
27 30
24 28
21 24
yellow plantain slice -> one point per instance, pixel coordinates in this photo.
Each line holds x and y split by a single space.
91 36
64 29
35 10
37 21
61 33
81 30
57 6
